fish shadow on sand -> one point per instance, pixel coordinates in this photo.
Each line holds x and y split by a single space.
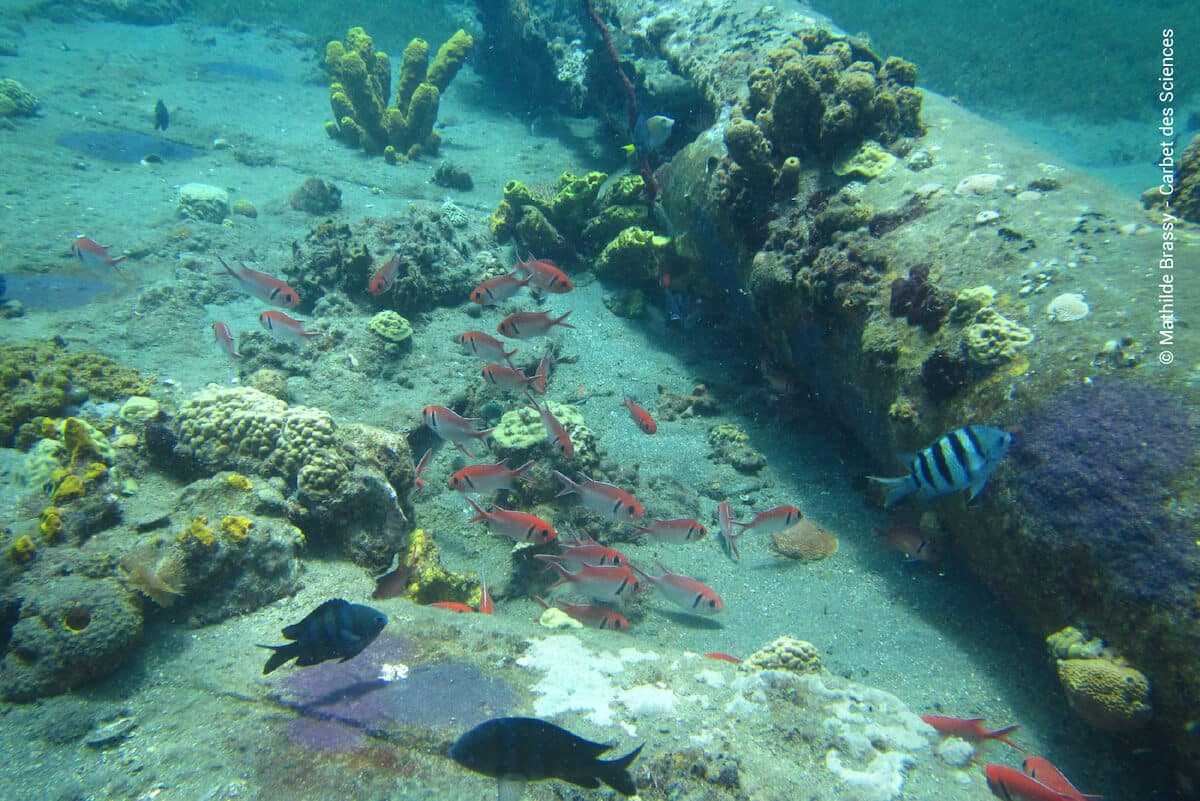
691 621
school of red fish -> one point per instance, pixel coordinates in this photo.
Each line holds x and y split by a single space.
597 572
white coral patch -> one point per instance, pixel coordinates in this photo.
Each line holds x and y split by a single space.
1067 307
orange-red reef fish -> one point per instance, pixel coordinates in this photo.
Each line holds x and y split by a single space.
488 477
1043 771
546 275
728 538
676 531
93 254
909 541
385 277
1011 784
266 288
486 347
517 526
453 427
598 617
486 606
526 325
588 552
602 582
453 606
688 593
225 338
723 657
640 416
495 291
283 328
970 729
418 482
511 379
607 500
770 521
560 440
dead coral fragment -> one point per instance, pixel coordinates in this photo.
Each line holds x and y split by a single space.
156 574
806 541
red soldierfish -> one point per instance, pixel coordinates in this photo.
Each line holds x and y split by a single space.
510 379
679 530
452 427
1044 772
486 607
723 657
640 416
546 275
283 328
385 276
555 432
728 538
607 500
486 347
582 553
225 337
970 729
418 482
525 325
487 477
909 541
602 582
598 617
688 593
453 606
93 254
266 288
770 521
1013 785
495 291
517 526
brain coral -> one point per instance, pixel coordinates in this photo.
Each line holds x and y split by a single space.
1106 694
786 653
239 428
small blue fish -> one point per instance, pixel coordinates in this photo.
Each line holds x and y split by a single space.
962 459
650 134
336 629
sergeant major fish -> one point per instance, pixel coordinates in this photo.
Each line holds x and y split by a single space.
519 750
962 459
337 629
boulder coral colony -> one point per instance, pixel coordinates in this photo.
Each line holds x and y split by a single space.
792 180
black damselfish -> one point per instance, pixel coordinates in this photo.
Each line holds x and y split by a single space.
519 750
336 629
161 117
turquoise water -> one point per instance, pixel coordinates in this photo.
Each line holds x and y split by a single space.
147 554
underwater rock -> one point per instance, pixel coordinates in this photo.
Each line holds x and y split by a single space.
919 300
202 202
805 541
452 176
316 197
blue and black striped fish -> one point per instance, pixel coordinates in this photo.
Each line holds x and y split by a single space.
962 459
336 629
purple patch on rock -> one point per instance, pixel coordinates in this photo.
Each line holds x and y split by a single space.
334 698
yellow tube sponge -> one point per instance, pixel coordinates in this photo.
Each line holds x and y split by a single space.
358 95
449 59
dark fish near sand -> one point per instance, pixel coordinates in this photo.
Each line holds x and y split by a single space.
962 459
519 750
336 629
161 117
